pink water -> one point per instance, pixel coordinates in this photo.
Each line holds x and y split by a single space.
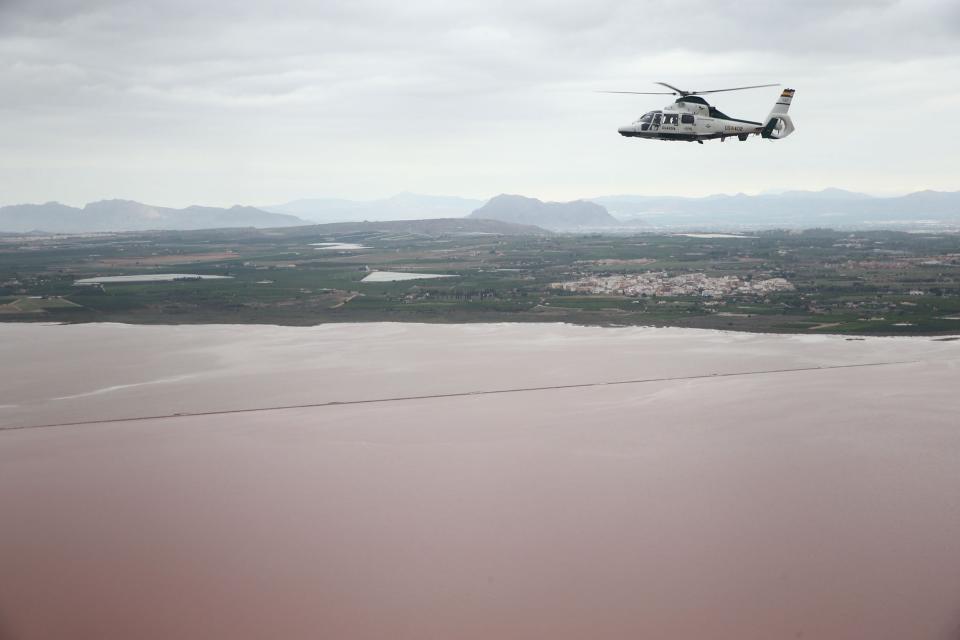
810 504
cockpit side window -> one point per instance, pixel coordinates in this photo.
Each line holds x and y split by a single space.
647 117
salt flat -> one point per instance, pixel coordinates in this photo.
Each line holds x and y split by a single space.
795 493
397 276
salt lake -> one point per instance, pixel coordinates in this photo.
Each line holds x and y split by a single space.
476 481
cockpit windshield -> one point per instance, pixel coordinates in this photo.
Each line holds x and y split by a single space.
647 117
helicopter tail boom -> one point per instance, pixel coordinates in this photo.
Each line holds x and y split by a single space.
778 123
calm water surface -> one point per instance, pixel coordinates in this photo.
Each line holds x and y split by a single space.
809 501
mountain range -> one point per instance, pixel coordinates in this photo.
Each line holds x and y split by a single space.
127 215
830 207
789 209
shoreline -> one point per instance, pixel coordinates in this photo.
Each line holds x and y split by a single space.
943 336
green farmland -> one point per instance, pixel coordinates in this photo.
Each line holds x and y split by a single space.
877 282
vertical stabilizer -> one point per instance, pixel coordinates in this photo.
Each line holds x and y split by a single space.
783 102
778 124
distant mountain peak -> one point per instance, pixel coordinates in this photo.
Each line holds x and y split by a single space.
549 215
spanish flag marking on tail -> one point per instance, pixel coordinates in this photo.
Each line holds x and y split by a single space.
783 102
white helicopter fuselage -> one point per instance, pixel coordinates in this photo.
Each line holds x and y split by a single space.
692 119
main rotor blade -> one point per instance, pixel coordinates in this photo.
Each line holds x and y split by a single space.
756 86
641 93
679 92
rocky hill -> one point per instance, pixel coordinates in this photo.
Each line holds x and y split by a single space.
579 214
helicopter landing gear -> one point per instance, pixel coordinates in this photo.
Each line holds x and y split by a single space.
699 141
743 137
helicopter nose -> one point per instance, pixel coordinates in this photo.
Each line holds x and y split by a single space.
628 130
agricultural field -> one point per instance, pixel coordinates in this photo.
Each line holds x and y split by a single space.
815 281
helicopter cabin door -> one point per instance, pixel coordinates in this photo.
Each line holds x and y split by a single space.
657 119
687 124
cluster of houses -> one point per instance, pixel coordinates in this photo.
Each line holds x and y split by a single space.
661 283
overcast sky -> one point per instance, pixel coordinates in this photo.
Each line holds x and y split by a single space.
176 102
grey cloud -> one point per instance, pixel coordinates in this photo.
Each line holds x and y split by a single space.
189 51
108 78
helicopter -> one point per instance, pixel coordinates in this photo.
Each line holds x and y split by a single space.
691 118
